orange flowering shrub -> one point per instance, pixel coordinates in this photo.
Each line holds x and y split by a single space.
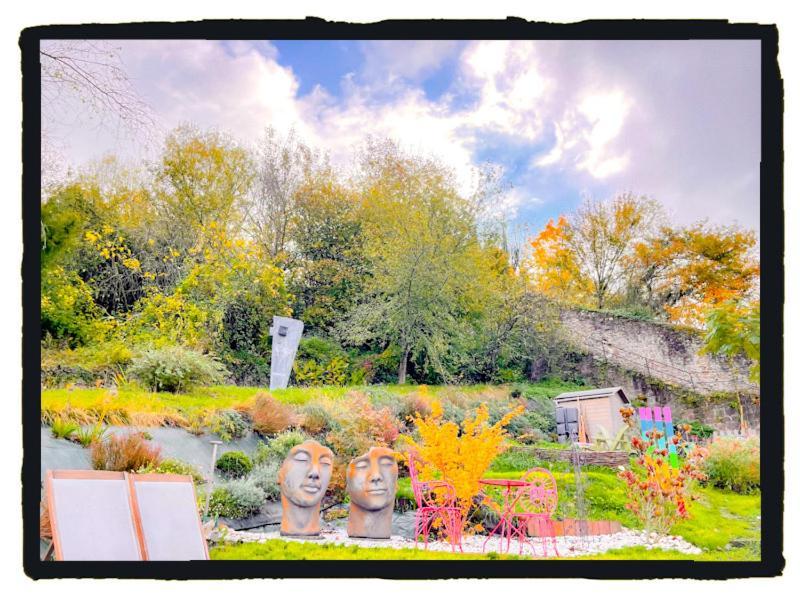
459 455
659 493
361 425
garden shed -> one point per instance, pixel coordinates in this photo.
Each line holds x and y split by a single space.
595 410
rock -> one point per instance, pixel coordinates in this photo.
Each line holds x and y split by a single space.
270 514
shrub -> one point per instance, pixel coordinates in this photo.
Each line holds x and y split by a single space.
234 464
62 429
175 467
127 452
265 477
659 493
414 404
360 426
229 425
271 416
176 369
316 419
734 464
236 500
701 430
311 373
86 436
459 455
276 449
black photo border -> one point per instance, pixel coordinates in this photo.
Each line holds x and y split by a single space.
772 292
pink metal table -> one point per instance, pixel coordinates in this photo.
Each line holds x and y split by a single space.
506 516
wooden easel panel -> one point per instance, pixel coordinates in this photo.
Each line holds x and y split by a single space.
91 516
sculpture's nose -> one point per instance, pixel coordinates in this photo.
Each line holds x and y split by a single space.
314 474
375 476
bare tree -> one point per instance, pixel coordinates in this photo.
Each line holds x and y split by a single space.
603 233
282 163
85 79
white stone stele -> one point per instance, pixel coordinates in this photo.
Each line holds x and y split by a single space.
473 544
286 335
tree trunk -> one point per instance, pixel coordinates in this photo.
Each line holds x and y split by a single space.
401 372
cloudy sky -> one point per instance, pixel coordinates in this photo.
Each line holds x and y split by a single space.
675 120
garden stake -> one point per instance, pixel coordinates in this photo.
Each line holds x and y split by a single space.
214 444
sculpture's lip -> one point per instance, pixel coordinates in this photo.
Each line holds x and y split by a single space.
378 491
311 488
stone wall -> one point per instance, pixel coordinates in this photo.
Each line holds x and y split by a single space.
658 350
658 365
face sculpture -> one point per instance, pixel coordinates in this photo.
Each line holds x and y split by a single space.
372 484
304 478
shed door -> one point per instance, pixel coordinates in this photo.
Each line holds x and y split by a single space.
596 413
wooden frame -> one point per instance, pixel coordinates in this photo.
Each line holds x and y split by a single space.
130 479
166 477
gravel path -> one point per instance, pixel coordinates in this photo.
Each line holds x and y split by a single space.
567 546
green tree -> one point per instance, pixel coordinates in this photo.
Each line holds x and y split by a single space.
421 240
330 265
733 330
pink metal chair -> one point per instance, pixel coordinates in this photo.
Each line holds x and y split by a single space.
435 499
534 508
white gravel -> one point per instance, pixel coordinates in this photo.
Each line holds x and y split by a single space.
567 546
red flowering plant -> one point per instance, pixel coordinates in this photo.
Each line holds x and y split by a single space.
658 493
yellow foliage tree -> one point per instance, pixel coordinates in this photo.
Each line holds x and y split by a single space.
459 455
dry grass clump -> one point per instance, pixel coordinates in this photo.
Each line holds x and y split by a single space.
271 416
127 452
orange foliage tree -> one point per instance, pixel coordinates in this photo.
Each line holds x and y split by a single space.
459 455
552 267
693 270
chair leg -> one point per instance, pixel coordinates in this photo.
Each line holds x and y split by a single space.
454 523
425 532
459 530
552 529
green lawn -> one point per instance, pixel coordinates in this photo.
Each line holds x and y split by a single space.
284 550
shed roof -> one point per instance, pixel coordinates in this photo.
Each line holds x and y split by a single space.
587 394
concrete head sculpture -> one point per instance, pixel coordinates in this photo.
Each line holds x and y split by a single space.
372 484
303 478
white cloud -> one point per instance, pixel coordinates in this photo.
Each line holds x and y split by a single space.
389 59
611 117
510 87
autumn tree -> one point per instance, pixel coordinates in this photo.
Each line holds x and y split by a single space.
552 265
202 178
717 264
685 272
602 233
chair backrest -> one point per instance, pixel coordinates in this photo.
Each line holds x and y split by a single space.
413 473
540 496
